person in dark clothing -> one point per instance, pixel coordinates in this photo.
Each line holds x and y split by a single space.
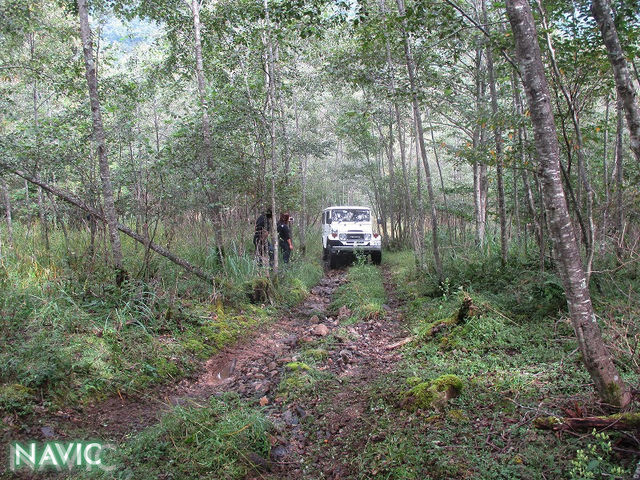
284 237
261 237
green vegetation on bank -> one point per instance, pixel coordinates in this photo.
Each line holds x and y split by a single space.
70 336
226 438
462 401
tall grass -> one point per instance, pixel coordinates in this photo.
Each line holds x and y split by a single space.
68 334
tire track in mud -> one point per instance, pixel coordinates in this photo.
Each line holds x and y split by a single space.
335 412
252 367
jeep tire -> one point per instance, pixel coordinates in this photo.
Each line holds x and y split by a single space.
333 259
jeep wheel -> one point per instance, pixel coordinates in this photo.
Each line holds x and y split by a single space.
376 258
333 260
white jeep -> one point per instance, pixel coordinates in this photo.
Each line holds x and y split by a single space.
347 230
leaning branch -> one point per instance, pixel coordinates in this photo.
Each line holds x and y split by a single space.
70 198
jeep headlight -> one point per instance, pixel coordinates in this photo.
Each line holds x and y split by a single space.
343 237
367 237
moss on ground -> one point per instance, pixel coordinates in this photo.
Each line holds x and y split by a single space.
435 393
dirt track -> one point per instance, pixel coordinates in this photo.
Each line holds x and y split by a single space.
253 368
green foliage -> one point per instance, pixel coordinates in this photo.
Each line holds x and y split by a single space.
217 440
72 336
595 461
363 294
511 367
435 393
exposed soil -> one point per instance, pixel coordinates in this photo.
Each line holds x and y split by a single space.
335 411
253 368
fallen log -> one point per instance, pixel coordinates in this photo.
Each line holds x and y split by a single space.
619 421
72 199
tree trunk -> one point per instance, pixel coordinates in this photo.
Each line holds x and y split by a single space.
207 152
99 138
601 11
589 233
594 353
44 231
619 178
480 181
497 134
271 92
444 192
7 209
605 180
420 136
618 422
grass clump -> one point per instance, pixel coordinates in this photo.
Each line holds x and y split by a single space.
70 335
363 294
220 440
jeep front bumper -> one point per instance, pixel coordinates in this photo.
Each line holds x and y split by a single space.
354 248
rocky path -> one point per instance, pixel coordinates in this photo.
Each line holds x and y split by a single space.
317 427
254 368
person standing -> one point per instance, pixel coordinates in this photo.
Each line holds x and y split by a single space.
284 237
261 238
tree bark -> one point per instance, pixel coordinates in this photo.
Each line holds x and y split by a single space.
7 209
271 93
594 353
589 233
619 177
619 422
601 11
420 136
497 134
212 188
480 180
99 138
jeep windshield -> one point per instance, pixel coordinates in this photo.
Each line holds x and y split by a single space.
350 215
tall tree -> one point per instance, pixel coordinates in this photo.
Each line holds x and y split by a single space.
497 134
411 72
594 353
99 139
602 13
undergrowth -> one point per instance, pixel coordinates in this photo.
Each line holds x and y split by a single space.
69 336
516 356
226 438
363 294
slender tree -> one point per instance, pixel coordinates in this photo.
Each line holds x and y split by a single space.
411 71
594 353
99 139
602 13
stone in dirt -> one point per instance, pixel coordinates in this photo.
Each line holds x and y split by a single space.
320 330
290 418
314 319
264 401
344 312
279 453
345 355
